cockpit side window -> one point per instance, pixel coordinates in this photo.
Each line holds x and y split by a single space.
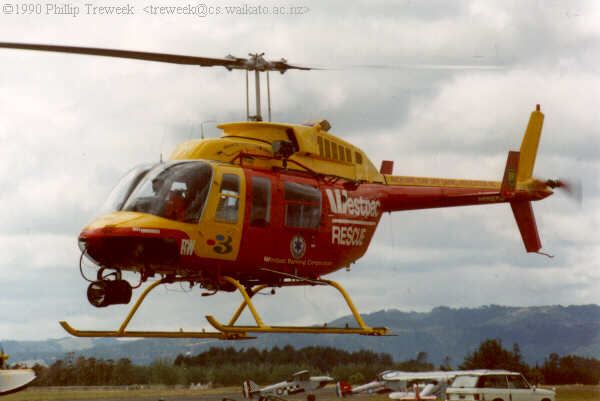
260 212
229 199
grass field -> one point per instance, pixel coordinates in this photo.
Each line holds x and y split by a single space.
578 393
564 393
167 394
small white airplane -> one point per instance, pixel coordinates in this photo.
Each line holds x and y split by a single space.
13 380
299 382
404 385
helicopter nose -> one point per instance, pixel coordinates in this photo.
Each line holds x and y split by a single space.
131 247
128 249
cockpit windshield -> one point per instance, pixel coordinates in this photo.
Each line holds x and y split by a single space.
123 189
175 191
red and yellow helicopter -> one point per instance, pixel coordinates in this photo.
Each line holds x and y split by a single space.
267 205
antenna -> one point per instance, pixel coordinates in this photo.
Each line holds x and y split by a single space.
162 140
202 127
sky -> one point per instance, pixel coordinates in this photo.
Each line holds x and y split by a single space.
443 88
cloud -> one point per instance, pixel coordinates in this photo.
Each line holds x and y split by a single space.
70 126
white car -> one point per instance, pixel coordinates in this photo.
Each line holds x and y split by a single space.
495 385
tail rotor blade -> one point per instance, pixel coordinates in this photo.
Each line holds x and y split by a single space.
572 187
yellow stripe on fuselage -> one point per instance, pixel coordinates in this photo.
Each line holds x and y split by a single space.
397 180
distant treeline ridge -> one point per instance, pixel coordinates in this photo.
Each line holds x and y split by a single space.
228 366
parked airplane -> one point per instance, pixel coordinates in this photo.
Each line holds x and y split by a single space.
403 385
377 386
299 382
13 380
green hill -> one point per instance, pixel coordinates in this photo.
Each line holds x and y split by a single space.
442 332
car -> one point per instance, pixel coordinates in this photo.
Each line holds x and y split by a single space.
495 385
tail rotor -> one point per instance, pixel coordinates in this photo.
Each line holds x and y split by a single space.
572 188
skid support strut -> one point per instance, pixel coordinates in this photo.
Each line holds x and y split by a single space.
231 331
260 327
123 332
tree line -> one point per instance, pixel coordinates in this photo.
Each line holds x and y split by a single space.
228 366
569 369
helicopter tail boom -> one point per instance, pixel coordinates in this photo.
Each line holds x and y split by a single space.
518 187
411 193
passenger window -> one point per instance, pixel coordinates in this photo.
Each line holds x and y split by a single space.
517 382
495 381
302 205
334 151
229 199
261 202
358 157
348 155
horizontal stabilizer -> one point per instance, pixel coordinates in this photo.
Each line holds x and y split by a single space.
526 221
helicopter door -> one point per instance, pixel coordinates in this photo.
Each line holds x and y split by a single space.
223 222
261 222
301 209
260 202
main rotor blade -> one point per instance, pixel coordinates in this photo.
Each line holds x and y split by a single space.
432 67
408 66
229 62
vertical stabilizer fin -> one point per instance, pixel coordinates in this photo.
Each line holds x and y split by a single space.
530 143
509 181
342 389
249 388
526 221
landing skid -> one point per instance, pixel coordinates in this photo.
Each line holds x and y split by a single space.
260 327
151 334
231 331
123 332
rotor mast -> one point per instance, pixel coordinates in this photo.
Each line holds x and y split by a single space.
258 116
257 63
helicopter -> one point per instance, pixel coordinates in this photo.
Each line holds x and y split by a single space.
266 205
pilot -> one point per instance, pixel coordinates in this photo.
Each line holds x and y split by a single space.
175 206
157 184
196 197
